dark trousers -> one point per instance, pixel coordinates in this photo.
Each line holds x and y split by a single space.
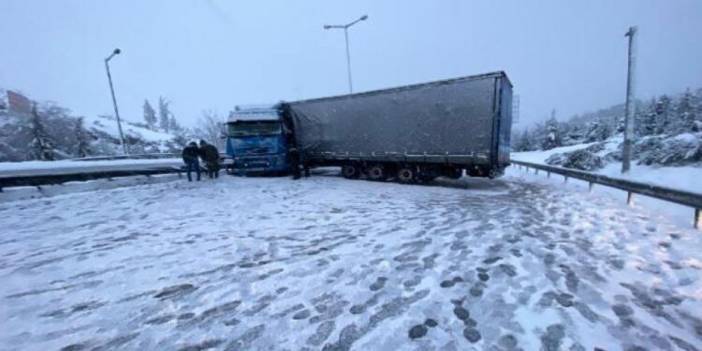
213 170
294 158
193 166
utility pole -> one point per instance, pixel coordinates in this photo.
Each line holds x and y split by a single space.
346 27
630 107
114 100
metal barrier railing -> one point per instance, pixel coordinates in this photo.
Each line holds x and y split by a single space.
53 179
128 157
677 196
222 155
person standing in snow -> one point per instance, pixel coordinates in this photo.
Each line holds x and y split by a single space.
210 155
190 158
294 158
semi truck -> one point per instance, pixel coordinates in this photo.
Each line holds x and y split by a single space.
256 141
411 134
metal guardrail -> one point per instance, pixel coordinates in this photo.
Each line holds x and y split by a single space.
222 155
128 157
78 174
680 197
52 179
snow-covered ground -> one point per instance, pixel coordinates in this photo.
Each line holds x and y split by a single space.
683 178
328 263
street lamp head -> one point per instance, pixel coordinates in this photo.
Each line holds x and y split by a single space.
117 51
364 17
326 26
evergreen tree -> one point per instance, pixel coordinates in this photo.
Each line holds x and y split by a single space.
685 113
42 146
598 131
82 142
164 114
646 124
663 114
553 134
523 142
149 115
173 124
697 106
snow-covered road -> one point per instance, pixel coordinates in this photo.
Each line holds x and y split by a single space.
328 263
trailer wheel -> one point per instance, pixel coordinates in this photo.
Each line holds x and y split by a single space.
454 173
406 175
350 172
376 172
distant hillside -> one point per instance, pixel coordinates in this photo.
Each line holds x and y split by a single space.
668 132
58 134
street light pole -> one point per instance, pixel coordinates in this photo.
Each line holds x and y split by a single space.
348 59
346 27
114 100
630 107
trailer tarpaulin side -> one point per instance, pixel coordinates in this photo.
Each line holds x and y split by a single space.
451 118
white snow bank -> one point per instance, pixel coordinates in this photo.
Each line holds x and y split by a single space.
109 126
683 177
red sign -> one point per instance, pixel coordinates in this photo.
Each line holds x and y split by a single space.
18 102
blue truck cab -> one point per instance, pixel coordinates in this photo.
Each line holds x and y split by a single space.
256 142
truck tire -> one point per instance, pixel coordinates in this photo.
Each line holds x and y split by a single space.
424 179
406 175
454 173
376 172
350 172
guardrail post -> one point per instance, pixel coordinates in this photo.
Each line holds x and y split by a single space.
589 186
548 174
629 197
698 218
565 179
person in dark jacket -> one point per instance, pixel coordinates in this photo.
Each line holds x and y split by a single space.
210 155
294 157
190 158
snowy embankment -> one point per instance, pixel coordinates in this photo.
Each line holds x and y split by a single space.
688 178
679 177
151 140
333 264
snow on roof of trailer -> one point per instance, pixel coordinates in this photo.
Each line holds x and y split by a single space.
264 112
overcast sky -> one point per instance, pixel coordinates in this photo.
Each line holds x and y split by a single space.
567 55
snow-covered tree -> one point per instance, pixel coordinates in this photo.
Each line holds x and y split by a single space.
553 134
646 119
523 141
663 114
685 113
149 115
41 145
82 139
597 131
211 127
697 105
173 125
164 114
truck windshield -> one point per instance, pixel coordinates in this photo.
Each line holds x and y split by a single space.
253 128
